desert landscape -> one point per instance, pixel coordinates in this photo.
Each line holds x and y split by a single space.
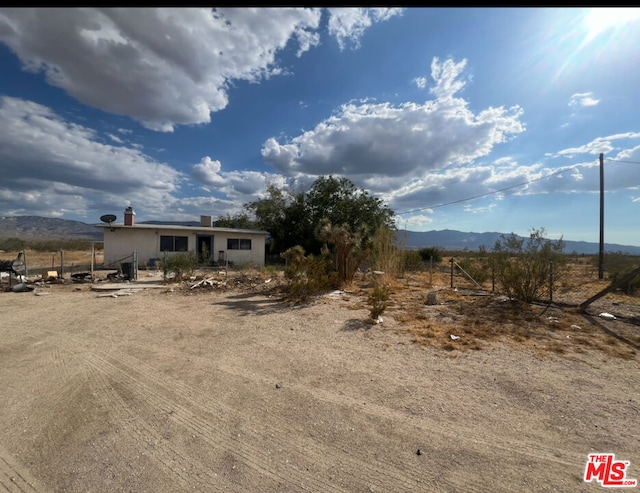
227 386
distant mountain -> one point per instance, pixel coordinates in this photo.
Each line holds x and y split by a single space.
450 240
46 228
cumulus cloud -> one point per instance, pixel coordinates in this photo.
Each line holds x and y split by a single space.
241 186
384 146
349 24
421 82
162 67
50 166
581 99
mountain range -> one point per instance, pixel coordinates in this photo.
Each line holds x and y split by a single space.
46 228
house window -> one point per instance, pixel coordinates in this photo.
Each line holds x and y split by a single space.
238 244
174 243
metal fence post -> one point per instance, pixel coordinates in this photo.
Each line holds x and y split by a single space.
452 263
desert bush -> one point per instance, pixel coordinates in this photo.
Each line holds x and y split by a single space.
523 266
12 245
412 261
479 268
308 275
431 253
379 300
631 286
182 264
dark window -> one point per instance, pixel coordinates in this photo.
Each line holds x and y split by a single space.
174 243
238 244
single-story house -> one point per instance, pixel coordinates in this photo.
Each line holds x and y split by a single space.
151 242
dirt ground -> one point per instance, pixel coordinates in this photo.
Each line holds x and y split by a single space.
227 387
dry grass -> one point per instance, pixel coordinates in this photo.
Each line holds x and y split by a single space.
481 318
51 260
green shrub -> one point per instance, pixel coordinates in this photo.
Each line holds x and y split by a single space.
630 287
523 266
379 300
308 275
412 261
183 265
479 268
431 253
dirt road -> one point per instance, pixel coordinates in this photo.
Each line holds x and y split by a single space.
237 392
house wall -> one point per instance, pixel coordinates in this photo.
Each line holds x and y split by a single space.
120 244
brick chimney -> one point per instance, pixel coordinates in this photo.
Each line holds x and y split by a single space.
129 216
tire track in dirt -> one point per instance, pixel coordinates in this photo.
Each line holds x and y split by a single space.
143 422
399 421
146 381
148 436
380 474
14 478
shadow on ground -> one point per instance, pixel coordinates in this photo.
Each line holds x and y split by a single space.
256 304
354 324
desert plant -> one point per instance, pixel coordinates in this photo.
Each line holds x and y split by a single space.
182 264
412 261
379 300
386 256
523 267
631 286
431 253
350 248
308 275
479 268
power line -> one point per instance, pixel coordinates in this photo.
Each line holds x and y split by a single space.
494 191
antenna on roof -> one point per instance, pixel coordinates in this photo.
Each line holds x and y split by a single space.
108 218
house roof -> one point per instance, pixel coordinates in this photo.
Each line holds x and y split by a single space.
193 229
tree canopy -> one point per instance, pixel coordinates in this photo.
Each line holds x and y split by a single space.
296 218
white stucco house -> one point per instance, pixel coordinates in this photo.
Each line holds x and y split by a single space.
152 242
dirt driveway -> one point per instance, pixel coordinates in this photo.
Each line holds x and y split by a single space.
238 392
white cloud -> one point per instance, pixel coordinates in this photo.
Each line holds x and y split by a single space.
385 147
604 145
421 82
240 186
163 67
50 165
583 99
349 24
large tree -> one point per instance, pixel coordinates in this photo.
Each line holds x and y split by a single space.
295 218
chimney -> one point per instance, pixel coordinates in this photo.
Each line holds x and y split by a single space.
129 216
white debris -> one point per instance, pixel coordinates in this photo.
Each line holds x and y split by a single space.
607 316
576 327
379 321
454 338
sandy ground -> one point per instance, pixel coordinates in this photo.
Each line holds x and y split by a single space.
236 391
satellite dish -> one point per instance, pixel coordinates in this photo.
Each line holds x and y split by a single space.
108 218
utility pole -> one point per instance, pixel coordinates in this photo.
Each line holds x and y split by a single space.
601 251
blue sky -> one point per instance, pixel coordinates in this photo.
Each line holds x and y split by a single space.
184 112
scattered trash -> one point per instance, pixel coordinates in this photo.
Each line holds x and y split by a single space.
278 386
607 316
335 294
379 319
454 338
576 327
21 288
419 452
209 282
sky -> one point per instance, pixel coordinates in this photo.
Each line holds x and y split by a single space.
471 119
